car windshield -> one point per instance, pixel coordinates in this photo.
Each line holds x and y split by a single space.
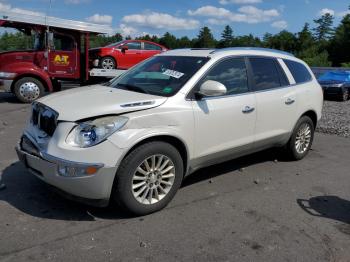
335 76
114 44
160 75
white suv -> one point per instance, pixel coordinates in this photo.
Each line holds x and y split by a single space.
134 139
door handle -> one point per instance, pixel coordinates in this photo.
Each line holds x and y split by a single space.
248 109
289 101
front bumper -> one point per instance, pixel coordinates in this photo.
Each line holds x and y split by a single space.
94 189
5 84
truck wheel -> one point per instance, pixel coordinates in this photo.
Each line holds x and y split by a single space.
108 63
301 140
148 178
28 89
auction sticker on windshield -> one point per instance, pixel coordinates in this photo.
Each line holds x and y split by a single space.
173 73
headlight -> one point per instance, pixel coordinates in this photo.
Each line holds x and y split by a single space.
93 132
7 75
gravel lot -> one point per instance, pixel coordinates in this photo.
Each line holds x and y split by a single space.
257 208
335 118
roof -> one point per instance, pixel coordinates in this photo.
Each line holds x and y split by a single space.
211 52
11 19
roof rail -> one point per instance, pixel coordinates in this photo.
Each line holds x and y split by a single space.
253 49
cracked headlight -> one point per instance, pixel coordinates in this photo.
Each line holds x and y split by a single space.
93 132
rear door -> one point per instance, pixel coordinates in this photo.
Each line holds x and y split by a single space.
224 125
276 101
150 49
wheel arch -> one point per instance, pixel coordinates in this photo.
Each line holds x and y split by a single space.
46 83
172 140
313 116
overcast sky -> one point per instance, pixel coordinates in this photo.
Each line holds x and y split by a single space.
185 17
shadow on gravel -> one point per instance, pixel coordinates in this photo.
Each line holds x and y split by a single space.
8 98
331 207
30 195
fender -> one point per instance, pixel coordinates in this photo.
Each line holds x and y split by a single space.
23 69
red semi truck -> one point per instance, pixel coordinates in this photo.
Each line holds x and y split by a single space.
60 52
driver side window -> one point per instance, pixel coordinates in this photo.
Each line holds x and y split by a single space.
232 73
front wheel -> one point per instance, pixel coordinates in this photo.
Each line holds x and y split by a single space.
108 63
28 89
301 140
148 178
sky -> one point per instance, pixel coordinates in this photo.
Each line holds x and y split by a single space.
186 17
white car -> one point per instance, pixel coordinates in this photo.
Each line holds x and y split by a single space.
134 139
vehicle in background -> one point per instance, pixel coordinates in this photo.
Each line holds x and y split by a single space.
134 139
124 54
336 84
59 53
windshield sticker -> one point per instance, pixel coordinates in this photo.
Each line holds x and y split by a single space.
167 90
173 73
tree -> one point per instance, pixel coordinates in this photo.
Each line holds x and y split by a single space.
247 41
340 44
168 40
284 40
304 38
226 37
205 39
324 29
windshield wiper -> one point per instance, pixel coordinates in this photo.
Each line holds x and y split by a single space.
133 88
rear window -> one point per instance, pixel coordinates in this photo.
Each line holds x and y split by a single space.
299 71
265 73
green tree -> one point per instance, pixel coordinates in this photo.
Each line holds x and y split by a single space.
205 38
340 45
324 29
284 40
247 41
168 40
226 37
304 38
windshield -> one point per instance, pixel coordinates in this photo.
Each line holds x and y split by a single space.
160 75
114 44
336 76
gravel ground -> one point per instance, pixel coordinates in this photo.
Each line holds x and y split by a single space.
335 118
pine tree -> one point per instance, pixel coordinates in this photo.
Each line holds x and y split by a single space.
324 30
205 38
304 38
226 37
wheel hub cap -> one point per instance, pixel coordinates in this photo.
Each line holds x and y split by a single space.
107 64
303 138
153 179
29 90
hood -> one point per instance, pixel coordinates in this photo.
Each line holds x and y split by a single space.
98 100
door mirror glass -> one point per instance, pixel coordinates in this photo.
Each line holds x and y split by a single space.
212 88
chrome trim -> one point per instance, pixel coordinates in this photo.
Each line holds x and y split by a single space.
248 110
145 103
275 51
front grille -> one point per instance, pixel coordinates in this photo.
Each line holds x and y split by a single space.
44 118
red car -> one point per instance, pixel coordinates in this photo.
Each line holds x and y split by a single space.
124 54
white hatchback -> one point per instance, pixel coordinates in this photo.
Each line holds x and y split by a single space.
134 139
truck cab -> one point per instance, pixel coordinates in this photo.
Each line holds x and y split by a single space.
59 52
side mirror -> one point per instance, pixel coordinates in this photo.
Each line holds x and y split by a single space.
211 88
50 40
124 48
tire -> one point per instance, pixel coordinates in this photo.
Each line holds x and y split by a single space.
28 89
345 95
293 151
127 191
108 62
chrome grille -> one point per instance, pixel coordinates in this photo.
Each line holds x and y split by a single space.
44 118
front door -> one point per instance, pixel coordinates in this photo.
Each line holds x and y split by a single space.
64 57
131 56
224 126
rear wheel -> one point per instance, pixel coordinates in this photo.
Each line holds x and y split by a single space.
28 89
148 178
301 140
108 63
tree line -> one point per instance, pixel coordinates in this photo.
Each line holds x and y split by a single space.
322 45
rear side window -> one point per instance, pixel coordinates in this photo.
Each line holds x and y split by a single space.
149 46
265 73
299 71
